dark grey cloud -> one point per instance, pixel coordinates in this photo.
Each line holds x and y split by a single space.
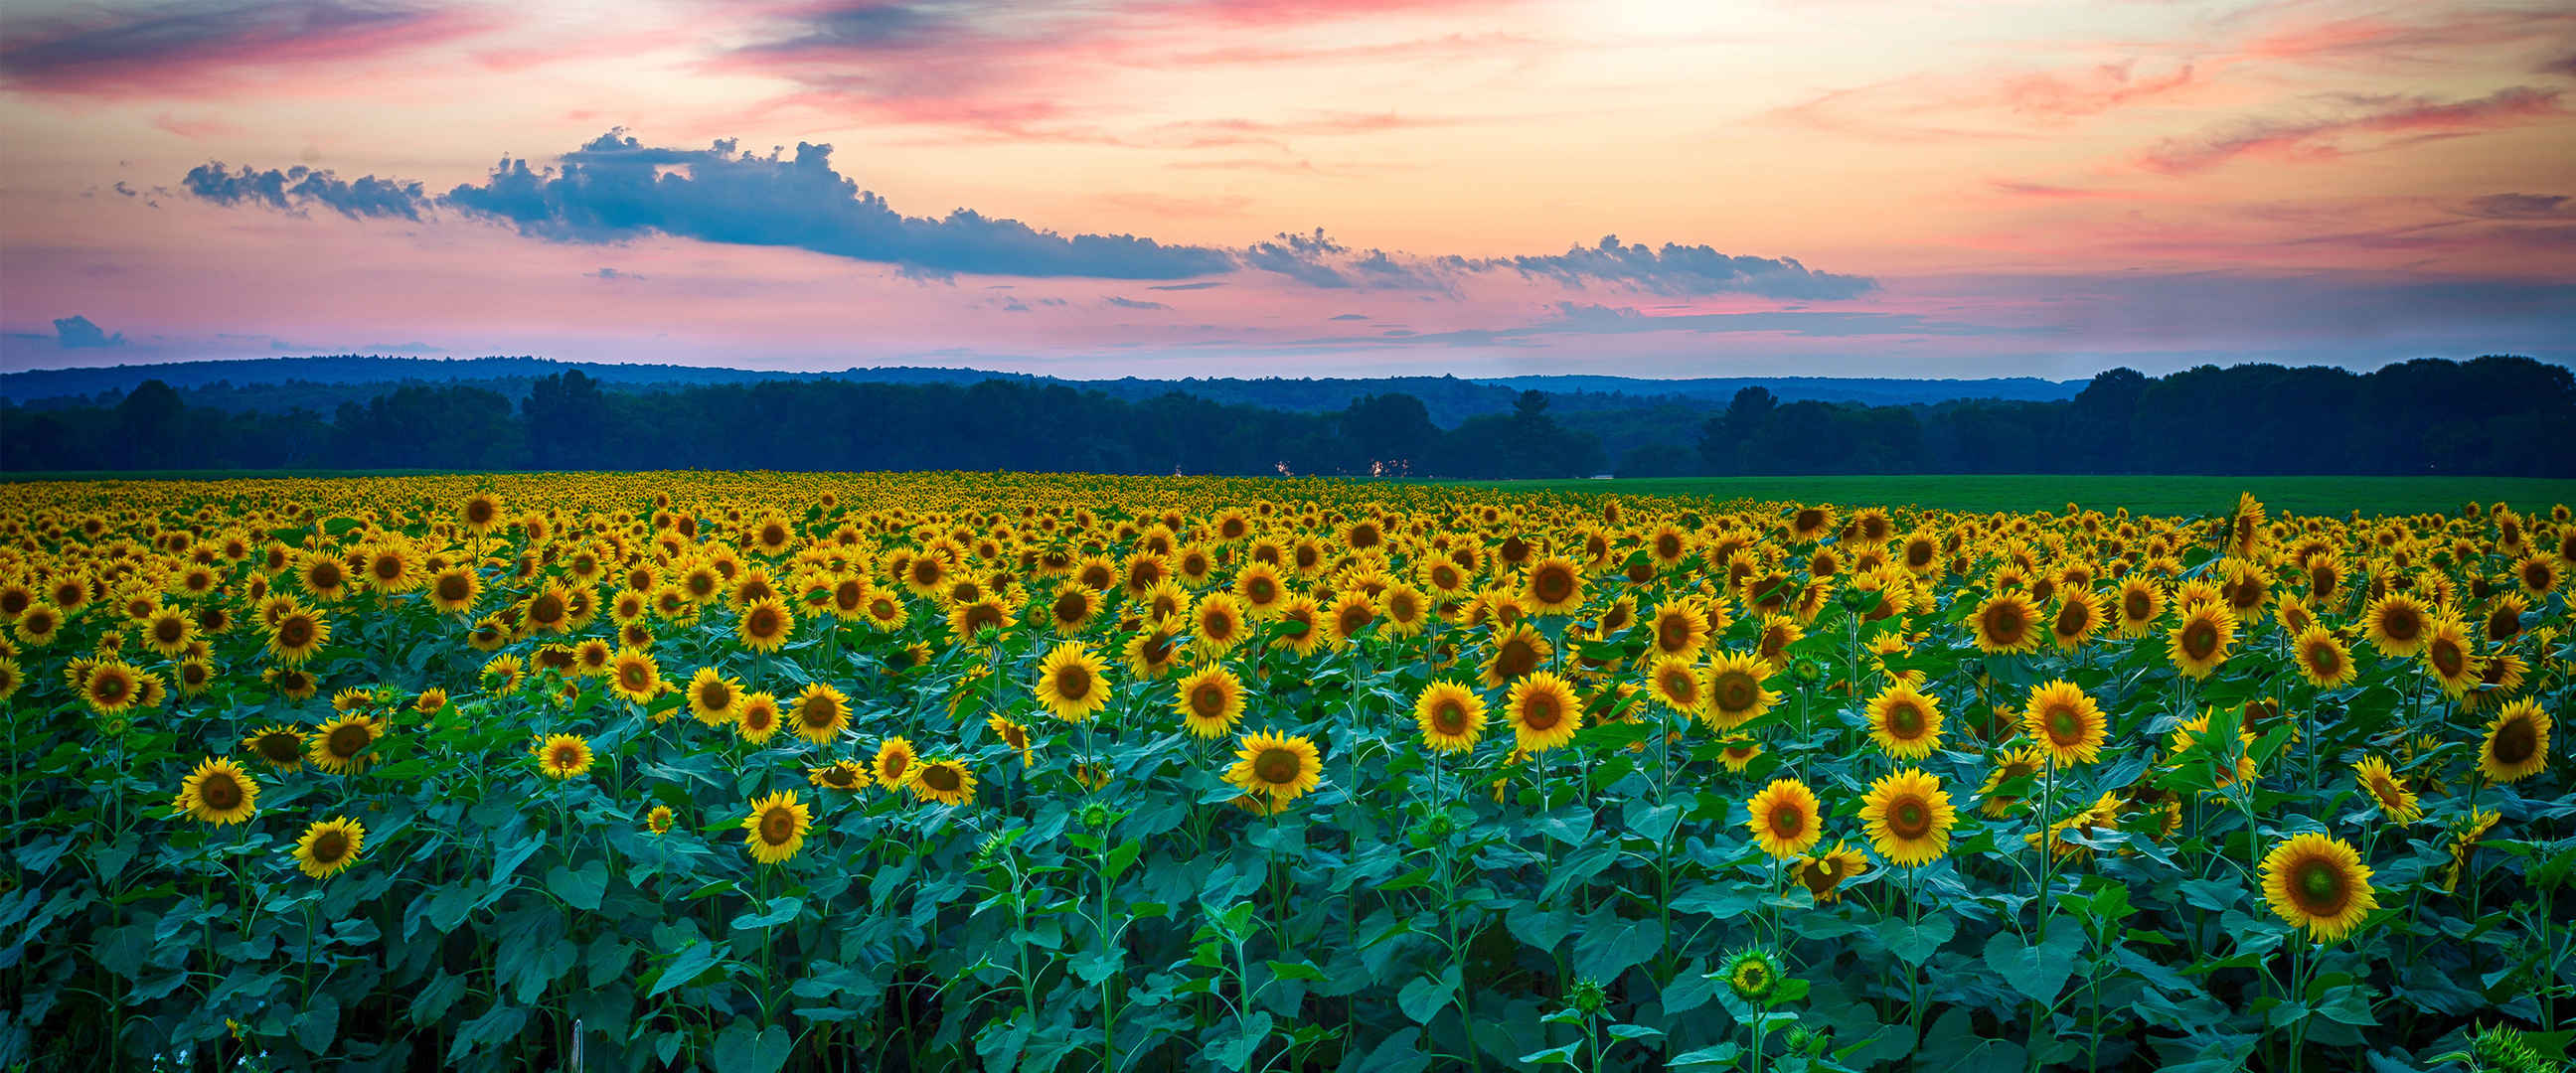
2523 207
113 49
613 274
616 188
300 187
76 331
1677 269
1131 303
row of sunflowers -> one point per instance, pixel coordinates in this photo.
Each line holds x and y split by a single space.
938 771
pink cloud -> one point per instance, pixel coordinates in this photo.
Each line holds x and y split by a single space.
201 52
2410 120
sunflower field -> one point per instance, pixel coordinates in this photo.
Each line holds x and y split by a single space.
968 771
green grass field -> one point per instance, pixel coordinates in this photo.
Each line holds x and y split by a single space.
2141 494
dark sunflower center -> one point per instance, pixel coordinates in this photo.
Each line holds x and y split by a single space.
1904 720
1208 700
635 676
1449 717
777 825
1680 685
388 568
1788 820
821 712
347 741
2003 622
169 630
219 792
1736 691
2516 741
1073 682
452 587
2401 624
1553 586
763 622
1540 713
2072 619
2320 888
2448 659
294 633
278 748
567 757
330 846
1515 659
715 696
2200 640
940 777
2063 726
1277 767
1910 818
2137 605
1672 634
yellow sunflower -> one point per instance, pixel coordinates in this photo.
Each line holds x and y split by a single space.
2396 624
1072 683
297 635
633 675
756 718
1784 819
1905 723
2517 743
1544 712
219 792
1276 768
2322 657
1518 651
1736 695
1678 685
1450 716
2200 642
2447 656
838 775
1552 586
1680 628
2384 786
562 756
279 747
2318 883
329 846
341 745
945 781
713 697
765 625
1823 873
894 762
776 828
820 714
1013 733
1210 701
2006 623
1908 817
2065 722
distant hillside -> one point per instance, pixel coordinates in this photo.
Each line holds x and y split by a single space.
322 383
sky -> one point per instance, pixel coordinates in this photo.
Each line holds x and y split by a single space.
1168 188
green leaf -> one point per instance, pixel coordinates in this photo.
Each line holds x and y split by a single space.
780 911
740 1049
318 1024
1554 1056
2039 972
1424 997
692 960
579 889
2348 1005
1118 860
1099 965
1295 970
1609 945
1914 943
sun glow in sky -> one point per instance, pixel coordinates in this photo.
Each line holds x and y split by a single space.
1293 187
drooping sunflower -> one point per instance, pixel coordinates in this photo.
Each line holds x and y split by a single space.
1784 818
1904 722
2396 624
820 714
219 792
2447 656
2396 801
1738 753
2201 641
1544 712
1736 695
2318 883
1908 816
765 625
1552 586
1155 650
1823 873
279 747
776 828
342 745
2322 658
2065 722
294 683
1013 733
755 719
2006 623
1276 768
1518 651
1210 701
945 781
2517 743
1450 716
1072 683
838 775
562 756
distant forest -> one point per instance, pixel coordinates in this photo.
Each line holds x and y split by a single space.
2503 416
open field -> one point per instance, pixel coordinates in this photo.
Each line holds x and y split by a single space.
1058 774
2141 494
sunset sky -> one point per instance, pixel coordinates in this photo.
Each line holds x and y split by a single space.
1166 188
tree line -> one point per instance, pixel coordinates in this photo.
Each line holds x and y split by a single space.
2493 415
